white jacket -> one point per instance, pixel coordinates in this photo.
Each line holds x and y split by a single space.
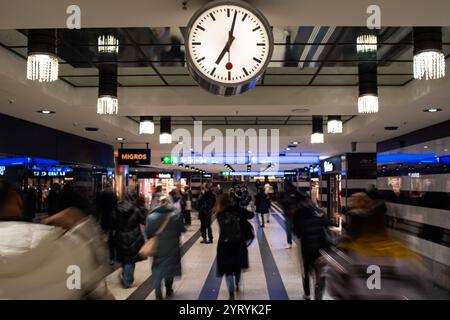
34 261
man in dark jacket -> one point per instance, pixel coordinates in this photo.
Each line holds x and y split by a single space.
262 204
310 226
128 238
106 204
289 201
205 205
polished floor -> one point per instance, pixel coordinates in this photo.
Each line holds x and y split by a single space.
275 272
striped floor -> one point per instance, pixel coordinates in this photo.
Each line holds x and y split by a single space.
275 272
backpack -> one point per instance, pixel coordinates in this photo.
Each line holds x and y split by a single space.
230 227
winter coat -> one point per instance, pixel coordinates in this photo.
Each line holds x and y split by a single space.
35 261
128 238
310 225
262 203
167 261
232 257
206 203
106 204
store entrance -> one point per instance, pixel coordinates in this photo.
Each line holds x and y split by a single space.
334 198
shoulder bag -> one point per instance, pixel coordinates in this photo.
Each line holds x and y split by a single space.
150 246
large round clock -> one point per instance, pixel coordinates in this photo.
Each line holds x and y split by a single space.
228 44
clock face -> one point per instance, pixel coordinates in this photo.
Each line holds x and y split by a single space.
229 43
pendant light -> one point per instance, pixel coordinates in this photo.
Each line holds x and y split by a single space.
334 124
108 44
107 102
165 135
146 125
317 130
368 88
429 59
366 41
42 61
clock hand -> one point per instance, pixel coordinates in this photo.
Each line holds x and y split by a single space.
233 23
226 48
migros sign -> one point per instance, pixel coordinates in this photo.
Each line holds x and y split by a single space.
134 156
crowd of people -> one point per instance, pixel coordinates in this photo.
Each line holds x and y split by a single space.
71 237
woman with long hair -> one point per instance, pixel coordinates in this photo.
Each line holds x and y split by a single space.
232 254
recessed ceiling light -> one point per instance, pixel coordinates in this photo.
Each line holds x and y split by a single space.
120 139
181 142
295 142
288 149
432 110
300 110
91 129
45 111
445 150
390 128
425 147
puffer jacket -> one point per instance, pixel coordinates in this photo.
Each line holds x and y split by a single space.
36 261
128 238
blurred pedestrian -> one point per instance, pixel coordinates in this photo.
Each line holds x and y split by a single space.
262 204
205 206
168 225
289 201
39 261
54 199
155 198
232 254
128 238
187 205
30 200
105 206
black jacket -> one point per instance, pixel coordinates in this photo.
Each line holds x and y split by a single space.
206 203
232 256
310 225
106 204
128 238
262 203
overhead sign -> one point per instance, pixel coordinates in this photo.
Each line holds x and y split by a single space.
164 175
207 175
328 166
169 160
134 156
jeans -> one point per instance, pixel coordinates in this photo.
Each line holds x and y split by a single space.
289 230
127 274
205 225
231 280
168 281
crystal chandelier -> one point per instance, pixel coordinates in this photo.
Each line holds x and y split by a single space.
368 104
317 130
108 44
368 88
146 125
107 102
429 59
107 105
366 43
334 124
165 136
42 61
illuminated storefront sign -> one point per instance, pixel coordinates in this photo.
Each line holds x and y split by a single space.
2 170
259 173
134 156
207 175
328 166
164 176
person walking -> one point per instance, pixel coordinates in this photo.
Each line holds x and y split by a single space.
232 254
262 204
128 238
54 199
155 198
167 260
289 201
105 205
310 226
187 206
205 205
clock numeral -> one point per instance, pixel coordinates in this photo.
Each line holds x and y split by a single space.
229 75
257 60
212 17
201 28
261 44
212 71
201 59
257 28
245 17
196 43
245 71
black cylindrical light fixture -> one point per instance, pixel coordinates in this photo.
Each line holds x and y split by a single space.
368 88
107 102
367 43
334 124
317 130
146 125
42 61
165 135
429 59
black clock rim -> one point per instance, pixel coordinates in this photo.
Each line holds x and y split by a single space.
212 83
